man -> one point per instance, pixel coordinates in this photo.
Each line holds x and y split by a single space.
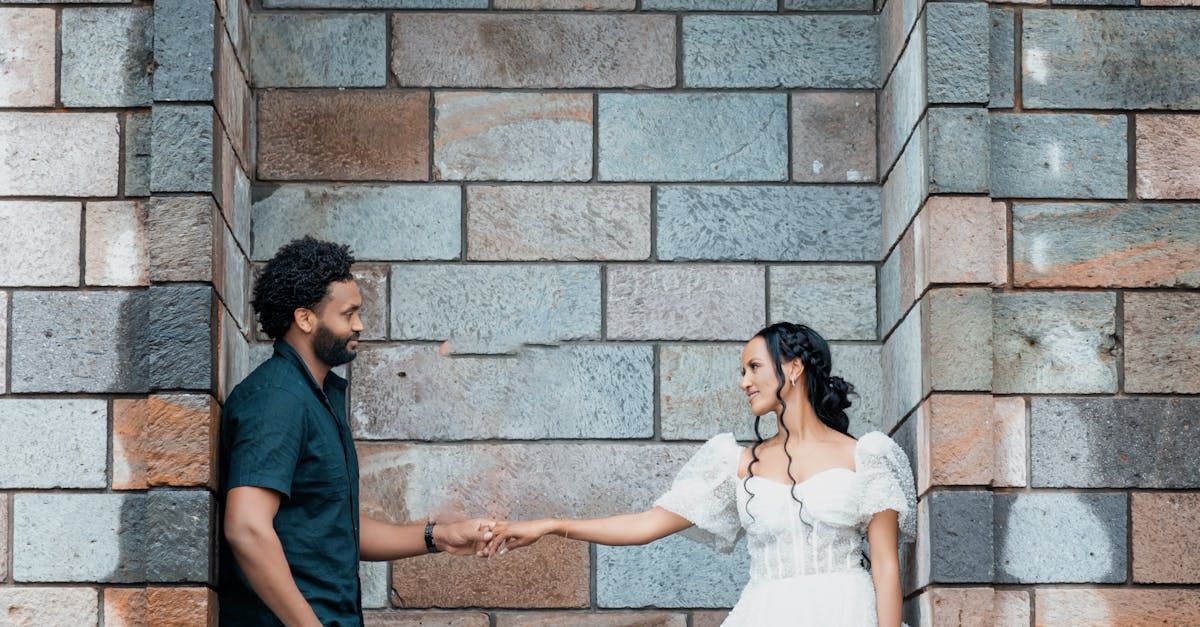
293 534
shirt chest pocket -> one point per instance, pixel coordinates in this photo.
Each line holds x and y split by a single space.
322 473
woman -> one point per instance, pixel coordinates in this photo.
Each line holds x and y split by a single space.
804 498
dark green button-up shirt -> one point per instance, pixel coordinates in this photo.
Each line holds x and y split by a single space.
281 431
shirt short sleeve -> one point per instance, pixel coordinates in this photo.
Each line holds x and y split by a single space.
265 436
887 482
705 493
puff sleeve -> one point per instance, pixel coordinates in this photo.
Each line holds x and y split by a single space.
705 493
886 482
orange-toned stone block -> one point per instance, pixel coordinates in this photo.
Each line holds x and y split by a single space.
708 618
956 444
409 618
965 607
1105 607
1168 155
592 619
961 239
1162 347
160 607
554 573
1164 537
164 440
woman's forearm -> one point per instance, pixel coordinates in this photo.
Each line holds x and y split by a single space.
624 529
888 599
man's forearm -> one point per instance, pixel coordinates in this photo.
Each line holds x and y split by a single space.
260 555
380 541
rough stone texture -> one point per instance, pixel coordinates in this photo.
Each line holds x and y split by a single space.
496 50
960 532
178 338
1055 342
78 342
552 573
375 582
234 282
593 619
1060 537
956 41
164 440
1002 48
233 356
1010 435
4 298
708 5
567 5
833 137
961 239
165 607
958 150
1011 607
685 302
957 333
1115 606
319 50
903 383
116 239
768 222
860 364
416 618
672 572
905 189
835 51
53 443
1163 551
1106 245
107 57
4 552
1070 60
1162 346
373 285
710 618
27 72
1117 443
598 391
138 132
1061 155
234 104
182 144
376 4
50 606
897 280
896 21
512 136
112 538
973 607
837 301
956 440
181 238
699 395
902 101
47 251
828 5
59 154
343 135
533 223
500 307
1168 148
183 49
379 222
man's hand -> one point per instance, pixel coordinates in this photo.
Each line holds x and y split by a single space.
465 537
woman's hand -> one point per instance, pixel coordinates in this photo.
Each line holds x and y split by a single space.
518 534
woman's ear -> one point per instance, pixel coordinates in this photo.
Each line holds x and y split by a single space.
795 370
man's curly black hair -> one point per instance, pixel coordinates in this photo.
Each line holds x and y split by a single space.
298 276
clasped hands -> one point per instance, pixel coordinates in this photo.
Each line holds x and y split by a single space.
485 538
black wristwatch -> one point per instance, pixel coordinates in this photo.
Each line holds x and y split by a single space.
429 545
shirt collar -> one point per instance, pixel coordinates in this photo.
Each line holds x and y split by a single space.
285 350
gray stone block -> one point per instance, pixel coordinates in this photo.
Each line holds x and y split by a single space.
107 57
905 189
177 543
319 50
768 223
373 576
1058 156
138 131
599 391
673 572
372 282
235 282
497 307
1115 442
956 38
828 5
709 5
896 21
903 385
59 153
837 301
861 365
1055 343
89 341
47 252
181 240
182 148
957 331
379 222
4 299
184 46
375 4
685 302
693 137
960 537
1001 61
1061 537
179 337
699 395
902 101
1122 59
838 51
958 150
833 137
53 443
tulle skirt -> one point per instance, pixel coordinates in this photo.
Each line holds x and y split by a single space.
843 599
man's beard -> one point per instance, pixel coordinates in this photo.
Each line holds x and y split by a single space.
332 349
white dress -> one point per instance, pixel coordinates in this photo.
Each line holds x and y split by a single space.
806 560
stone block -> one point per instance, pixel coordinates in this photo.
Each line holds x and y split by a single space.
567 5
164 440
672 572
1106 245
833 137
234 103
601 391
974 607
832 51
768 222
1055 343
372 282
905 190
116 237
47 252
29 49
565 222
107 57
1069 60
181 238
1060 537
134 607
709 618
4 298
419 618
53 443
903 383
837 301
1060 155
184 38
1168 147
36 605
234 282
897 18
1162 348
1010 436
902 101
59 154
956 47
961 538
233 356
595 619
319 50
685 302
376 4
709 5
533 50
828 5
861 365
1163 551
897 280
179 336
1114 443
376 584
379 222
138 133
693 137
958 150
4 551
512 136
699 395
78 342
1001 59
348 135
182 144
1115 606
957 333
960 239
955 443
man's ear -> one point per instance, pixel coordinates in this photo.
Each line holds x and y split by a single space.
304 319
